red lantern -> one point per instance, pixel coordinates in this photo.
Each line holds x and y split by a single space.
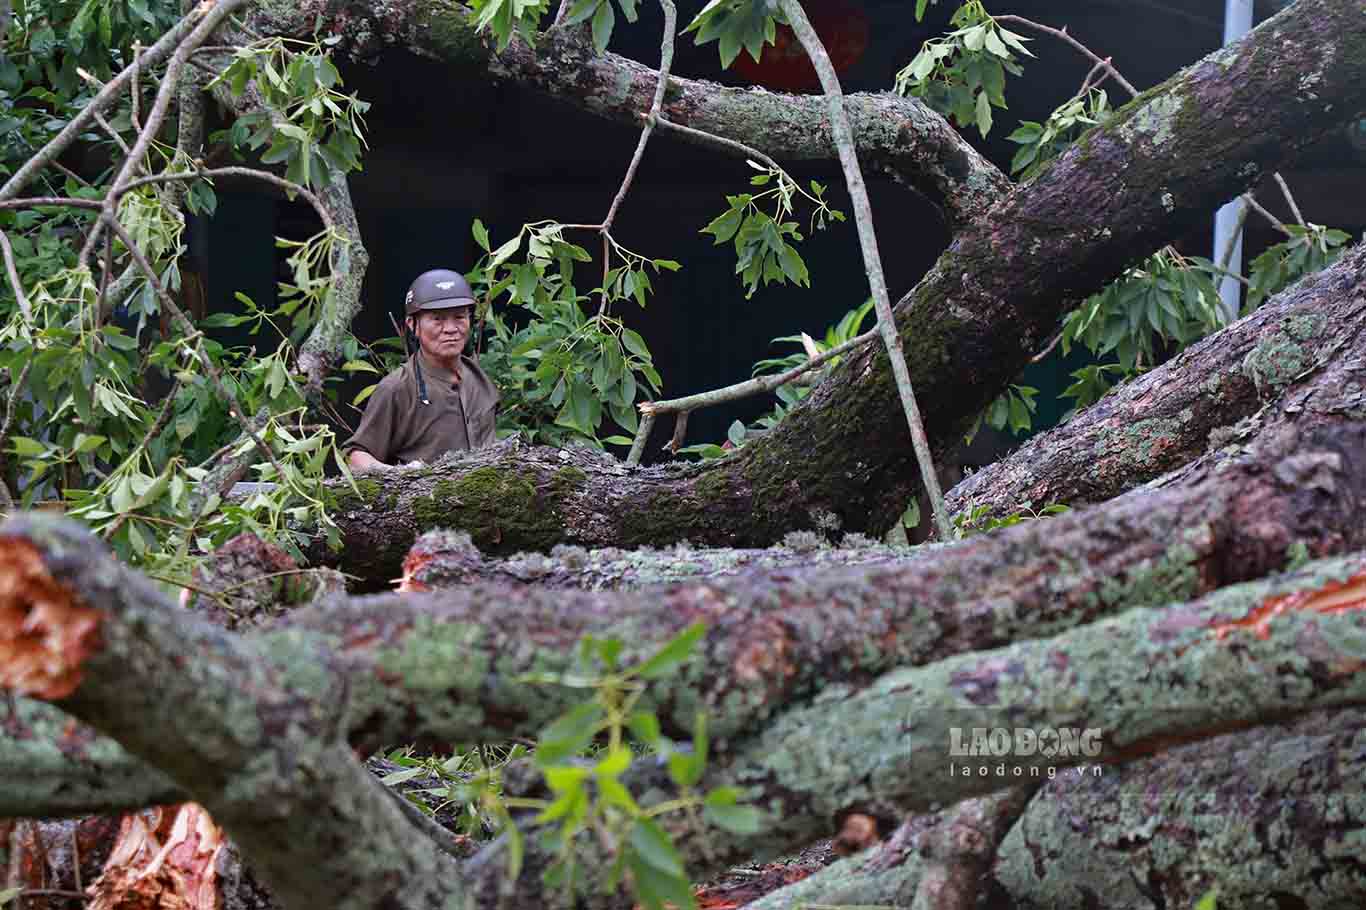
783 66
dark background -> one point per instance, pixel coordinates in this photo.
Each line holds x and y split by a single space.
447 147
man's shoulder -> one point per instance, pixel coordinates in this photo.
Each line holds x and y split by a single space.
394 385
470 368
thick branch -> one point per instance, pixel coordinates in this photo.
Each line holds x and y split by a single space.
1213 394
252 741
897 137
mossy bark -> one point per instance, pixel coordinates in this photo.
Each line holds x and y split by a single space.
1219 392
246 722
1268 817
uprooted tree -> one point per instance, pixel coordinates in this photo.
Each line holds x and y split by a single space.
1203 598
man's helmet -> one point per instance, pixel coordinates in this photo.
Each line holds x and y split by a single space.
438 289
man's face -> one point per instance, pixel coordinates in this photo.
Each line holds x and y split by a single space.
443 333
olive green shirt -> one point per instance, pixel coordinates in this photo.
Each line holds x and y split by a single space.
398 428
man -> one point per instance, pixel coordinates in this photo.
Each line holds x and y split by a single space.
440 400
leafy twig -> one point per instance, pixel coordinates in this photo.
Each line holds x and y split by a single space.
5 428
1289 198
756 386
216 377
1062 34
13 272
863 218
721 141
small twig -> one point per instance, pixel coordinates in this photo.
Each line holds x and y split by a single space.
843 135
12 271
647 423
748 151
135 91
666 57
1272 219
1104 66
5 428
163 418
33 202
72 174
255 578
1048 350
756 386
1289 198
1062 34
234 407
680 432
106 268
1232 242
288 186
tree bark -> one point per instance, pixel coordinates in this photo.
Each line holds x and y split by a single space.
1213 394
1268 816
1155 170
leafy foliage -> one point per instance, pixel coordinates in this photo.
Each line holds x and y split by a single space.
978 519
963 74
1013 408
319 134
586 757
98 346
1040 143
562 371
1310 248
737 25
763 253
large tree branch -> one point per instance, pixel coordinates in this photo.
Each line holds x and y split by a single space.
897 137
247 737
1212 394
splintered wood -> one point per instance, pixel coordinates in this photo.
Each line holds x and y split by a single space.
1334 597
45 634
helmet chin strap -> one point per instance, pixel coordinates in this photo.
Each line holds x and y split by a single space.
414 349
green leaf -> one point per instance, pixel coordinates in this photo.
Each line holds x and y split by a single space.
569 734
603 20
673 654
353 366
27 448
644 726
629 8
616 762
983 113
634 343
723 228
581 11
481 234
394 778
737 819
652 845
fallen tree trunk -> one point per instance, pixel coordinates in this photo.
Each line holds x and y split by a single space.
1159 166
1259 815
1215 393
1295 645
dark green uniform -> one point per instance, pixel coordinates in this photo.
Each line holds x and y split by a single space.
398 428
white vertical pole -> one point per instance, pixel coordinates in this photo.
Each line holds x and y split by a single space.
1237 22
